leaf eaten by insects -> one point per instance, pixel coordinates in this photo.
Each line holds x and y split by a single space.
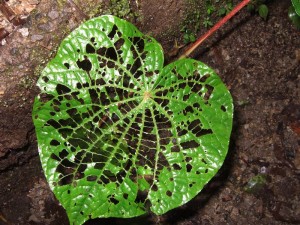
119 134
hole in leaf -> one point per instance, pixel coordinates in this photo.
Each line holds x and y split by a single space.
62 89
53 123
78 142
113 200
55 157
154 187
68 122
176 166
46 97
139 43
72 112
175 148
195 127
189 144
141 196
90 49
204 132
223 108
111 54
65 165
182 85
63 154
55 143
118 44
85 64
186 97
187 110
196 87
189 167
66 180
99 166
80 170
91 178
196 105
78 156
113 32
46 79
104 179
79 85
67 65
125 195
169 193
192 184
135 67
100 81
208 92
188 159
204 78
181 132
101 51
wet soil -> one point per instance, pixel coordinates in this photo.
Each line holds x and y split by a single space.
258 60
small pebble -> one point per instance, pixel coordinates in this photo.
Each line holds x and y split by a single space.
3 42
53 15
225 54
37 37
44 27
263 169
24 32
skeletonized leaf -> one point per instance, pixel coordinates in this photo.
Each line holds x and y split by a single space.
118 133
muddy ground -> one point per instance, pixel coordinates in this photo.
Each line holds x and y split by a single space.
259 62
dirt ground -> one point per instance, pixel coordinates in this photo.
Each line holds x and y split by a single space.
258 60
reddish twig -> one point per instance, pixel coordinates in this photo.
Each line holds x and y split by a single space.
214 28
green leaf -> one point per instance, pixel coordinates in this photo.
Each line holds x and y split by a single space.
296 4
189 37
294 17
263 11
250 7
119 134
207 23
210 9
222 11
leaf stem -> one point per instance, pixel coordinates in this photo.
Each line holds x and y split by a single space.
214 28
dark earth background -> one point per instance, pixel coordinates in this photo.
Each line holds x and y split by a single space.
258 60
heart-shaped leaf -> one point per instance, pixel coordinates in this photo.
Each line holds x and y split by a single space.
118 133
